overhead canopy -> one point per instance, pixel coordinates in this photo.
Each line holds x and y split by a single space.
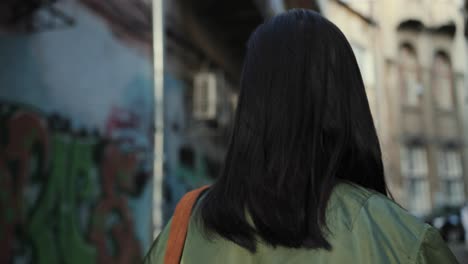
221 29
19 15
130 20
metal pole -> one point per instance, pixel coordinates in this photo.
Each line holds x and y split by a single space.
158 67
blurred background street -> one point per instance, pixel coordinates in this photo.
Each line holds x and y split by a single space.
111 110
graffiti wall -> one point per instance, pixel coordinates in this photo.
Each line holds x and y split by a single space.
76 115
186 163
194 148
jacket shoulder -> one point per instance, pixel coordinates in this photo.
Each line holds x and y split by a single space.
389 225
345 204
158 248
384 211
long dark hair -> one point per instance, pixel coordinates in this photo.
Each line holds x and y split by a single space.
303 124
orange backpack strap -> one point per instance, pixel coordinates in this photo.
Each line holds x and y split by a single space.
179 226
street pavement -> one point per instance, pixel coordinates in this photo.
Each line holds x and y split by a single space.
461 252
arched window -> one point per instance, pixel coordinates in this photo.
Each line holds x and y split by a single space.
442 81
409 74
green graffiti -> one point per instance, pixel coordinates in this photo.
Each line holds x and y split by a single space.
53 193
40 230
57 207
75 247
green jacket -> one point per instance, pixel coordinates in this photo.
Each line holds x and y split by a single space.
366 227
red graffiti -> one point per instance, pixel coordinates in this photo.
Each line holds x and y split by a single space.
33 154
121 120
25 131
7 221
117 170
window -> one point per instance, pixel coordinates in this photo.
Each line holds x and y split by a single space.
365 62
409 73
442 82
451 177
205 96
414 169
